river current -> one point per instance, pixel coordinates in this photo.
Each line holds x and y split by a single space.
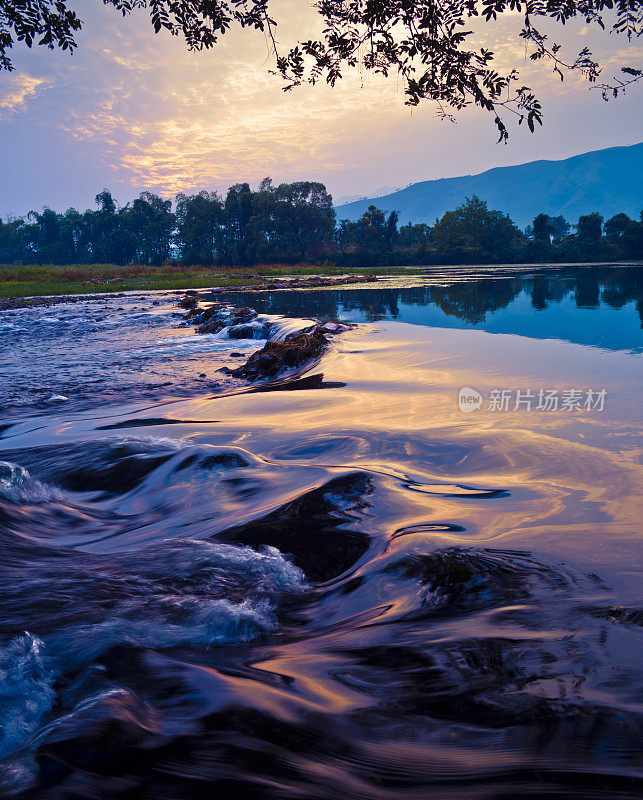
412 570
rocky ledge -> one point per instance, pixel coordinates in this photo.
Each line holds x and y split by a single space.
216 317
276 356
13 303
313 281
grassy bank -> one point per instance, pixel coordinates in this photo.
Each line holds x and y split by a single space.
35 281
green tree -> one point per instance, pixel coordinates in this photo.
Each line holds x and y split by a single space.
616 227
542 228
472 226
150 222
106 231
391 230
632 242
290 221
14 242
238 208
75 235
46 236
199 227
589 229
371 231
105 202
414 237
560 228
539 236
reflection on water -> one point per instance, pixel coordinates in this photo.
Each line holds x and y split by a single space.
599 306
346 590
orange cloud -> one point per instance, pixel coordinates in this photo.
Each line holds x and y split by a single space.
19 88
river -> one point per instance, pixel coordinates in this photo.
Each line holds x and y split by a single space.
414 572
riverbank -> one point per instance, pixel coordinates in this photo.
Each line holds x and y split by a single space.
39 281
46 285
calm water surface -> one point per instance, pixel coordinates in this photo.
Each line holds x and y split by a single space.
349 589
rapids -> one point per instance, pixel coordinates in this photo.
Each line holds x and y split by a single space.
336 586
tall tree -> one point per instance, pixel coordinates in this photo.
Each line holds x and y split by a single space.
391 230
542 228
14 242
632 243
238 210
150 219
589 229
616 227
472 226
372 230
414 237
560 227
290 220
106 232
199 222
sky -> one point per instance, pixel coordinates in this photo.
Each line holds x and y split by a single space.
132 111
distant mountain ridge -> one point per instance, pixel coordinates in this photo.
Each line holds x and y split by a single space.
608 181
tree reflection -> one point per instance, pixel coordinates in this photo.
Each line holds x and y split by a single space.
472 300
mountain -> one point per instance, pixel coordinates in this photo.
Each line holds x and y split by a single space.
607 181
383 190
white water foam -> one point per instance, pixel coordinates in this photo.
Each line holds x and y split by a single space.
18 486
171 596
180 600
26 690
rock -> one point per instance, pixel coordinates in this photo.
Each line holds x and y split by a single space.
214 326
243 314
241 332
205 315
219 316
335 327
236 354
266 364
189 301
277 356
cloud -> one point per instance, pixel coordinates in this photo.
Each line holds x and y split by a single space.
135 111
171 121
16 91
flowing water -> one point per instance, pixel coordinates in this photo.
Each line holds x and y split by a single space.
358 583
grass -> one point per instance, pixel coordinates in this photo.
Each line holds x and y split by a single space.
36 281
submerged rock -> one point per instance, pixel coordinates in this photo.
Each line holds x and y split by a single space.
219 316
189 301
241 332
335 327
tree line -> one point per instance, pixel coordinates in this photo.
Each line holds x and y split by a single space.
475 234
295 222
274 223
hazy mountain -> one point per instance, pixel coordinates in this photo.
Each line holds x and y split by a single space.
607 181
383 190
